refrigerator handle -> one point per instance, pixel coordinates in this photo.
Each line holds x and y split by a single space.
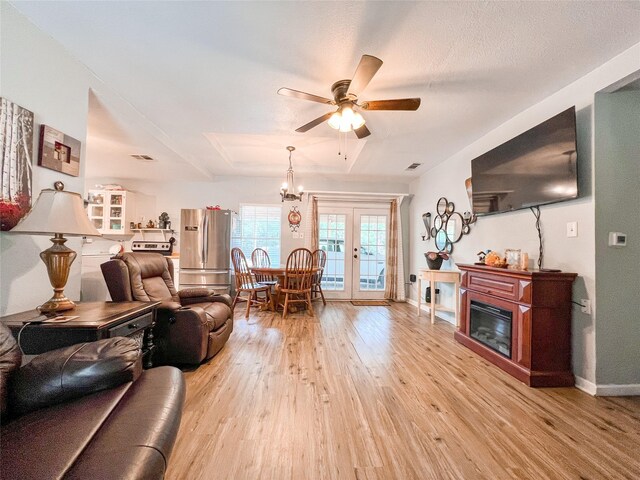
205 245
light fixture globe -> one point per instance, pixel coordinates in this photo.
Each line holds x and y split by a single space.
334 120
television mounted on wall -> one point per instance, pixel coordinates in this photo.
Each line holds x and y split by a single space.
535 168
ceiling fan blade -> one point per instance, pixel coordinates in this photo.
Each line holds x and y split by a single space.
314 123
362 132
367 68
287 92
398 104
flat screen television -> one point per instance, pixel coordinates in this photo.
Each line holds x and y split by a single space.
537 167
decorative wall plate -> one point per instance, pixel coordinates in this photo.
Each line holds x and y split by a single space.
294 218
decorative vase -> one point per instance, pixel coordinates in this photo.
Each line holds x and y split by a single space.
433 264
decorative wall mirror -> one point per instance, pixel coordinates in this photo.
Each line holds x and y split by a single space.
449 226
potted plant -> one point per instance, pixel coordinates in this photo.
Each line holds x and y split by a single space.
434 259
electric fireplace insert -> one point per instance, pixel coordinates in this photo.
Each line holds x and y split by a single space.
491 326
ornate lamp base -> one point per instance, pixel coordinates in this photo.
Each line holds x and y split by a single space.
58 259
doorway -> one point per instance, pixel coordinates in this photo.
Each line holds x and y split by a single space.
355 240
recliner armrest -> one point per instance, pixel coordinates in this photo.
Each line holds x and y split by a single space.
210 298
72 372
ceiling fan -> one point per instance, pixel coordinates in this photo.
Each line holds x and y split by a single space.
345 96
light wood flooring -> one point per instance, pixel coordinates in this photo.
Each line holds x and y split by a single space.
379 393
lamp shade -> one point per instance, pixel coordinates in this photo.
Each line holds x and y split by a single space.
57 211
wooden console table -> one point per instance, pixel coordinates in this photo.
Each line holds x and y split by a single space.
530 312
442 276
96 320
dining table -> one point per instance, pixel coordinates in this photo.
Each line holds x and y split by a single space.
277 272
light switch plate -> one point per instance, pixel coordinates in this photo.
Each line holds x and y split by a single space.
572 229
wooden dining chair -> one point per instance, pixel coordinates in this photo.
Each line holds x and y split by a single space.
245 282
319 261
260 258
296 285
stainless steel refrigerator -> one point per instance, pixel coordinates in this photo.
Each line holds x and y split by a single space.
205 244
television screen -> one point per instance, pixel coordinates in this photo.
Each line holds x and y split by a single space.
537 167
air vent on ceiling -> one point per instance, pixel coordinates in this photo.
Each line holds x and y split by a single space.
146 158
413 166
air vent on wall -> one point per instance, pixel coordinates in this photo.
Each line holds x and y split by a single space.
146 158
413 166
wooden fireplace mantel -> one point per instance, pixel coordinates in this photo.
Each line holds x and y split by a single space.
540 304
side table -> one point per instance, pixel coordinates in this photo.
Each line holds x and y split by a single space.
96 320
443 276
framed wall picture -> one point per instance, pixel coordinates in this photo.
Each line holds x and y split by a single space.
16 152
59 152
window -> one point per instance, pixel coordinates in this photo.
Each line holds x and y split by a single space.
258 226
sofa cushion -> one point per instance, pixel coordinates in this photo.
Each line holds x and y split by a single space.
10 360
217 313
46 443
71 372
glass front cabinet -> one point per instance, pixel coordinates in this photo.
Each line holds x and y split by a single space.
111 211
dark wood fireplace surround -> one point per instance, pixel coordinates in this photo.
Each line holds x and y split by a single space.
540 303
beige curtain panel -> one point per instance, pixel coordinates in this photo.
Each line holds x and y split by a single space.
394 277
311 225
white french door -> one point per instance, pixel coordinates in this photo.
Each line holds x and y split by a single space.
355 240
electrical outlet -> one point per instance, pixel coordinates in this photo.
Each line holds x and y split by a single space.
586 306
296 235
572 229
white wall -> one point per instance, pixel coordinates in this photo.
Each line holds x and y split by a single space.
38 74
517 229
230 192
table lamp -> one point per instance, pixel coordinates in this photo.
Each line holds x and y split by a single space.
59 213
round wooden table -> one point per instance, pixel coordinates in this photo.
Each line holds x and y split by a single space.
277 272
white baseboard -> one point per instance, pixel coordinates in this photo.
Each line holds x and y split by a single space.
586 386
613 390
607 390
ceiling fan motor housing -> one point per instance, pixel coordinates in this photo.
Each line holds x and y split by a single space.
340 92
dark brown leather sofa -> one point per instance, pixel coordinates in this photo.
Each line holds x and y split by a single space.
192 325
86 412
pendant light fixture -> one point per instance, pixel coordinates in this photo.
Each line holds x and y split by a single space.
288 189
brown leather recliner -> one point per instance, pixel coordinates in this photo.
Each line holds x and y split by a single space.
86 411
192 325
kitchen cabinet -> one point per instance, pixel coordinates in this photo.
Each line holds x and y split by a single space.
111 211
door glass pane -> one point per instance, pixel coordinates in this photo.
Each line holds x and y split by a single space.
373 248
331 235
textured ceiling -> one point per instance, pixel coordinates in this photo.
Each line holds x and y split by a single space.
194 83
